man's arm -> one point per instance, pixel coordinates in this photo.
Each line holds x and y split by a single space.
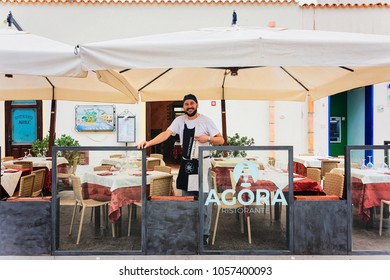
156 140
215 140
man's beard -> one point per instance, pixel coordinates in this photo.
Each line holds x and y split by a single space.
192 114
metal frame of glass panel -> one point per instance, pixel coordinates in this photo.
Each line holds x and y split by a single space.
348 184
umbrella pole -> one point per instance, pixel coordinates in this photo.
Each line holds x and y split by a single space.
53 110
52 131
223 115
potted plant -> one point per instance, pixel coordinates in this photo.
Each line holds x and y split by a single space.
41 147
67 141
236 140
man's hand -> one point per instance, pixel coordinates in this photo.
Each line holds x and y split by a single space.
202 138
143 144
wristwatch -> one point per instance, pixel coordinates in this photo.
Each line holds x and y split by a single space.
209 139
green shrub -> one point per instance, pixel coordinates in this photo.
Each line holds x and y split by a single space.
236 140
67 141
41 147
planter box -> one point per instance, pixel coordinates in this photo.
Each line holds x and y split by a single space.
320 227
172 227
25 228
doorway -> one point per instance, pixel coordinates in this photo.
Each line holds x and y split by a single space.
354 109
159 116
23 125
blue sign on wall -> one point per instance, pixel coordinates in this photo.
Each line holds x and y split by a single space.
24 125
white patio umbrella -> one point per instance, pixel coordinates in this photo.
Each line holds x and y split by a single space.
288 83
88 89
29 54
242 63
36 67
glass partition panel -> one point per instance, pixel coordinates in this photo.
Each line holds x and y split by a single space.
369 188
106 183
246 190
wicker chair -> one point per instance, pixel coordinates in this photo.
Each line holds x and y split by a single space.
327 166
73 171
7 158
150 164
221 205
160 186
84 204
116 156
334 184
314 173
26 185
13 166
160 156
307 154
102 168
39 181
25 164
163 168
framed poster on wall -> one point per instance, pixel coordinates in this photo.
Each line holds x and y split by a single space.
95 118
126 129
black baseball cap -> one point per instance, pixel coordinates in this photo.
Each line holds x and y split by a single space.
190 96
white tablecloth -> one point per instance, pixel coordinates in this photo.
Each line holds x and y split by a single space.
230 162
127 161
314 161
40 161
120 179
367 176
9 181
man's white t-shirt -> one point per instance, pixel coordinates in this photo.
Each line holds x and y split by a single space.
203 126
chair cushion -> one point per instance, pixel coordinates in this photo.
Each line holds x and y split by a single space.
316 197
38 198
158 197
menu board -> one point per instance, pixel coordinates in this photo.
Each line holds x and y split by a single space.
126 129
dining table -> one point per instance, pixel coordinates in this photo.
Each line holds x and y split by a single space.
129 161
42 162
276 182
10 178
301 163
368 188
222 165
39 161
121 188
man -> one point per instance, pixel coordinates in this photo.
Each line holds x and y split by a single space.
194 130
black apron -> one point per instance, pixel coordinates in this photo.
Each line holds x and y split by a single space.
188 166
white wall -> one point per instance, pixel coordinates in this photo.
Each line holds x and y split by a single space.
78 23
321 127
67 108
374 20
381 113
248 119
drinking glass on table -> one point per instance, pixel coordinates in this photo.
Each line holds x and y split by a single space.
363 166
384 165
39 154
370 165
29 153
44 152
